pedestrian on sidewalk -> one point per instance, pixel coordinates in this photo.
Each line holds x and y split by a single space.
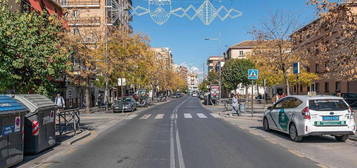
235 104
59 101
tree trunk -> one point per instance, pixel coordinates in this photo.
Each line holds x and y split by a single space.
287 86
87 96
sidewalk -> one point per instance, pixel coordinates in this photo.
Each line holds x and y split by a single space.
91 125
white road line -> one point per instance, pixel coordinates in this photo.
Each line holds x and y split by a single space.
187 115
146 116
201 115
159 116
131 116
173 116
172 145
179 150
214 115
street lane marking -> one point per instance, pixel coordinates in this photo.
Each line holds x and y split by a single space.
214 115
179 149
131 116
187 115
146 116
173 116
201 115
172 145
159 116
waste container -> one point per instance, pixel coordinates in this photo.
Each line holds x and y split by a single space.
12 115
39 122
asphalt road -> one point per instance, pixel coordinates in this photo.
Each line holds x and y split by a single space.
179 134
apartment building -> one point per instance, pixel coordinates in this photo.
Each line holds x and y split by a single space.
213 62
307 39
240 50
91 19
164 55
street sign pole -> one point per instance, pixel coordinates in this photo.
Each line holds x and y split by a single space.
252 97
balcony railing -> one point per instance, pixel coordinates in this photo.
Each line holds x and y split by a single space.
84 21
79 3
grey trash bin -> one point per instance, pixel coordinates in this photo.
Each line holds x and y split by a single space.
40 132
12 115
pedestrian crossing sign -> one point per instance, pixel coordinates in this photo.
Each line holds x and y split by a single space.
253 74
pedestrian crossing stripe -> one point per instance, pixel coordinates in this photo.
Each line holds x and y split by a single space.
159 116
201 115
146 116
187 115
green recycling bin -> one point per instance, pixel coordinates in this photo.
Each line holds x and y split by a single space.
40 132
12 115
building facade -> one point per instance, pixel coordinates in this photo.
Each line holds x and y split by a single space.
308 38
92 19
240 50
213 62
164 55
192 81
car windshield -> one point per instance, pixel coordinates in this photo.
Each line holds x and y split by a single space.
328 105
126 100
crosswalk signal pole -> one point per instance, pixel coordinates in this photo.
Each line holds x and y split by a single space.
252 97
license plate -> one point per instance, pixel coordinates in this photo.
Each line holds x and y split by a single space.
330 118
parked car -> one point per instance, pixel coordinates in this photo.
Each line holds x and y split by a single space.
301 116
194 94
351 99
124 104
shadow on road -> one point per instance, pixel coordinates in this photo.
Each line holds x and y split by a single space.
307 139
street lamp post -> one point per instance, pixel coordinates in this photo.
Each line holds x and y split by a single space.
220 63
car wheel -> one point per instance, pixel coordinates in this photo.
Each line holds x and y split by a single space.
293 133
341 138
266 124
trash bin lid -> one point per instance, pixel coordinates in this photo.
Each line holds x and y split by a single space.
34 101
8 103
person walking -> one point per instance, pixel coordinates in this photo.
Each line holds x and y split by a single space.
235 104
59 101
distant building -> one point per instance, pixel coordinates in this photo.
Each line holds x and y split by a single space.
192 81
165 55
306 39
213 61
240 50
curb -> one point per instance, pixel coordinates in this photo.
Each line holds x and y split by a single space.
353 138
78 137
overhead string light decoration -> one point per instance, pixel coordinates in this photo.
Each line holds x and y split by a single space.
160 11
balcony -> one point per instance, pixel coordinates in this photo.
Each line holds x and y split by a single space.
79 3
84 21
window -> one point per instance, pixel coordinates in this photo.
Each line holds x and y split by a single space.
241 53
317 87
75 13
338 86
76 31
327 87
287 103
328 105
317 68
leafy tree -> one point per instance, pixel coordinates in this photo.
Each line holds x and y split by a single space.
203 85
235 71
31 55
213 77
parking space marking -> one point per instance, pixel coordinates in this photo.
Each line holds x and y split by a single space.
146 116
201 115
159 116
187 115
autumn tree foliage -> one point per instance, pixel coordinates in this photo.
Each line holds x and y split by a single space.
338 27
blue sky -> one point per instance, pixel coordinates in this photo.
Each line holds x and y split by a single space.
186 37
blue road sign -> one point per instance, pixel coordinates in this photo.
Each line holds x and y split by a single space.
253 74
296 68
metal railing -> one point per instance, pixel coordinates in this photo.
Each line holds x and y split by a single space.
79 3
84 21
68 120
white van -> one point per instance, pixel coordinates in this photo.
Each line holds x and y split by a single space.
301 116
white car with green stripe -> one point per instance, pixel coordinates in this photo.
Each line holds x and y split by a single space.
301 116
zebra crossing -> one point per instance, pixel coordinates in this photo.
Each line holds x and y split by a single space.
161 116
